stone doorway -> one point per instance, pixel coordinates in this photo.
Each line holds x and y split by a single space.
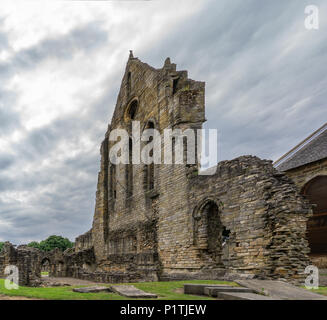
45 267
316 192
208 230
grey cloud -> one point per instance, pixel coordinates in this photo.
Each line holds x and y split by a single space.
8 118
3 36
6 161
262 100
51 213
5 183
85 38
3 41
238 48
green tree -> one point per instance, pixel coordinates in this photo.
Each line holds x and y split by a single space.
53 242
34 244
1 245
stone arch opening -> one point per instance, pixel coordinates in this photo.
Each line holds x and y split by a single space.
132 109
60 268
45 267
225 234
88 266
208 229
315 191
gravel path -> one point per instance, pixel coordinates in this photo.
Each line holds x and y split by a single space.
3 297
70 281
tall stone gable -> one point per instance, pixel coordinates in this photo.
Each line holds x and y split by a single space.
132 220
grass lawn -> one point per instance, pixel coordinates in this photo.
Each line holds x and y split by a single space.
44 273
164 290
321 290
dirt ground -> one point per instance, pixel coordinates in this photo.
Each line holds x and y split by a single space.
4 297
69 281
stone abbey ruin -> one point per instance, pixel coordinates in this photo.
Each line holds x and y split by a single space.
167 222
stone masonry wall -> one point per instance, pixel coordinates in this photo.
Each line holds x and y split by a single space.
26 259
127 224
265 215
257 206
84 241
304 174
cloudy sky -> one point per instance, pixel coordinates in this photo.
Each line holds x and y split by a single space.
61 63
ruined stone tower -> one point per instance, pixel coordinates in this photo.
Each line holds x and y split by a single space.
141 209
167 221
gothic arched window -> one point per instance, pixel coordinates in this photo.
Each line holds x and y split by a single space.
132 109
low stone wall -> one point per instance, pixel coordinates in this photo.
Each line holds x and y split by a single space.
26 259
259 208
116 277
29 262
84 241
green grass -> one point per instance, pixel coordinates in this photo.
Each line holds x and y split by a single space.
321 290
44 273
164 290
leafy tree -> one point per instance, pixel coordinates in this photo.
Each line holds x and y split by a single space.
53 242
34 244
1 245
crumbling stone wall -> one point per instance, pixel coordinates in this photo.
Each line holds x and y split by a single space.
26 259
29 261
84 241
264 213
303 174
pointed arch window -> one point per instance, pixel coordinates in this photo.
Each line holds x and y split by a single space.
132 109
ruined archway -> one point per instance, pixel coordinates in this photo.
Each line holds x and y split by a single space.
131 110
45 267
208 229
316 192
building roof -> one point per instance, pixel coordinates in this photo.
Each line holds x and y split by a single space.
312 149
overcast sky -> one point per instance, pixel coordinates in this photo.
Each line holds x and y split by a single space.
61 64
